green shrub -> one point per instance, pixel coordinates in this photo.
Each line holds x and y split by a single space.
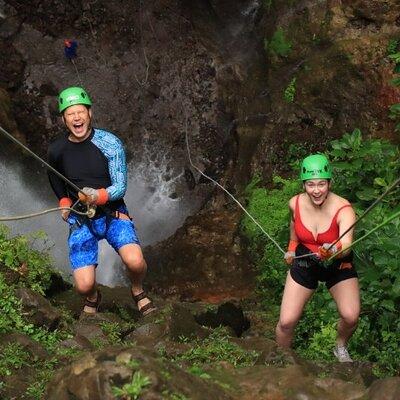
278 45
17 254
290 91
217 347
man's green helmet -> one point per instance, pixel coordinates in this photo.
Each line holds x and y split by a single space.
315 166
72 96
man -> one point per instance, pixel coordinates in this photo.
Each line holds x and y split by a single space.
94 160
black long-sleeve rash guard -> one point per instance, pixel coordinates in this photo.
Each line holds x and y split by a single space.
97 162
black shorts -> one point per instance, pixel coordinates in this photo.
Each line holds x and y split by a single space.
308 271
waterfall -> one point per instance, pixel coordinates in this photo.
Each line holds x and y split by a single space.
150 197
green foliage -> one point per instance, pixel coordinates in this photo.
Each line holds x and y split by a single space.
367 166
217 347
23 266
363 170
11 312
290 91
392 46
113 331
168 395
198 371
267 4
45 372
395 113
394 54
133 389
278 45
16 253
270 209
13 356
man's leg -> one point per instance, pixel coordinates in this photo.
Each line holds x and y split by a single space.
85 284
132 256
294 299
347 297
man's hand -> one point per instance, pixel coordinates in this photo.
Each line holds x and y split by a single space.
65 202
289 256
327 250
65 214
89 195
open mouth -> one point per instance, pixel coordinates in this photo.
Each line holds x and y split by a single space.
317 198
78 127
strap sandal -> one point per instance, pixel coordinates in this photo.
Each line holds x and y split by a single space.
93 304
146 309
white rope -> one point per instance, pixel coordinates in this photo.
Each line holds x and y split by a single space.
228 193
17 217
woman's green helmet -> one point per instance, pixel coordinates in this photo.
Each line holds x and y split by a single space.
315 166
72 96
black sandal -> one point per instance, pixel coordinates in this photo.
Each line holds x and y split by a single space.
93 304
146 309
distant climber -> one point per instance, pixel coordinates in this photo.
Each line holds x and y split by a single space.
70 47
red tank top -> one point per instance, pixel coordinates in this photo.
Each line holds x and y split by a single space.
307 238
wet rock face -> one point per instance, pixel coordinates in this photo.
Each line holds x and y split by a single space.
202 261
149 76
338 58
37 309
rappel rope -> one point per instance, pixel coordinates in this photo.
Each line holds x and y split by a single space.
377 201
90 209
228 193
392 217
47 165
77 72
89 212
18 217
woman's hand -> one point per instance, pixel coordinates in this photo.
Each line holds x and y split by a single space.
327 250
289 257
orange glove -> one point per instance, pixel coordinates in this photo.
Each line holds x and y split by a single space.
65 202
327 250
93 196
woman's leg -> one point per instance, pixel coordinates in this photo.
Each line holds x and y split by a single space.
347 297
294 299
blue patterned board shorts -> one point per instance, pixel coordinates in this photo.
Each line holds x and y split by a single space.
84 237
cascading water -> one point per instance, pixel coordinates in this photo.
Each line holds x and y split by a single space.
150 197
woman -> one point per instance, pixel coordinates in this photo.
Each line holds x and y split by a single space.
319 218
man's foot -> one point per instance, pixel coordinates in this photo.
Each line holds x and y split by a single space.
144 303
92 306
342 354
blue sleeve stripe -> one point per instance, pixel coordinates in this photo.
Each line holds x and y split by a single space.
113 149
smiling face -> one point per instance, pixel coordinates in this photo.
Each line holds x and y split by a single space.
78 120
317 190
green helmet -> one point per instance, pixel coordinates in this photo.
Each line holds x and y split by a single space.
72 96
315 166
